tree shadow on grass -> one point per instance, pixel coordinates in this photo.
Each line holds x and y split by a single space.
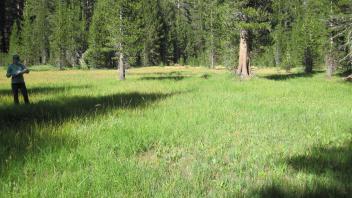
18 135
43 90
333 165
175 76
282 77
66 108
175 73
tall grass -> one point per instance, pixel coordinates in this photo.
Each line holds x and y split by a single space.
176 132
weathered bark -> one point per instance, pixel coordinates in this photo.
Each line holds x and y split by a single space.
122 75
244 60
330 60
349 78
330 64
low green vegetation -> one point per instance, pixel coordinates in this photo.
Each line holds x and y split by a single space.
176 132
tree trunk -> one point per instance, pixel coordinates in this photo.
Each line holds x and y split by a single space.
308 60
330 59
278 55
288 62
122 75
349 78
44 55
330 64
243 63
212 40
61 59
212 59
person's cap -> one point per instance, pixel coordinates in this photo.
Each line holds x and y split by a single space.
16 57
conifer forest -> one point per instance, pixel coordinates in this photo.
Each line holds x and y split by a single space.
176 98
100 33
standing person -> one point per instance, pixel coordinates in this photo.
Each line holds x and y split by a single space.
16 71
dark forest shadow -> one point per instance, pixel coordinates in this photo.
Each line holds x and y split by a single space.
18 123
287 76
334 163
43 90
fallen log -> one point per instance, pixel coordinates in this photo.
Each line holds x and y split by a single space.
349 78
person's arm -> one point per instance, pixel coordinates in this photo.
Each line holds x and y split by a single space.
9 72
25 70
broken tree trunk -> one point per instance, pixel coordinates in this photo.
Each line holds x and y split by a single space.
244 60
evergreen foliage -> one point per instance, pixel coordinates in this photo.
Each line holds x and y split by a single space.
287 34
15 43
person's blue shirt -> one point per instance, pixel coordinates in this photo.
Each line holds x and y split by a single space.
15 71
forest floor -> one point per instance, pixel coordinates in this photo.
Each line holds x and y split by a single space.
177 132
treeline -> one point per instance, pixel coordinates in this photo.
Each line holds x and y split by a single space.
102 33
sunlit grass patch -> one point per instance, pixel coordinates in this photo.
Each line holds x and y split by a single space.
176 131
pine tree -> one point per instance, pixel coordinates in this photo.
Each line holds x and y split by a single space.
29 45
15 42
341 29
124 32
35 32
99 53
251 15
88 10
41 29
10 12
153 33
331 57
213 30
282 16
68 37
78 33
196 32
229 41
196 50
309 34
59 42
178 15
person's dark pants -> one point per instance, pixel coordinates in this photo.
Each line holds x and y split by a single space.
22 87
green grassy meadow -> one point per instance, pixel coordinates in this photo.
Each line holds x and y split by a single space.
176 132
